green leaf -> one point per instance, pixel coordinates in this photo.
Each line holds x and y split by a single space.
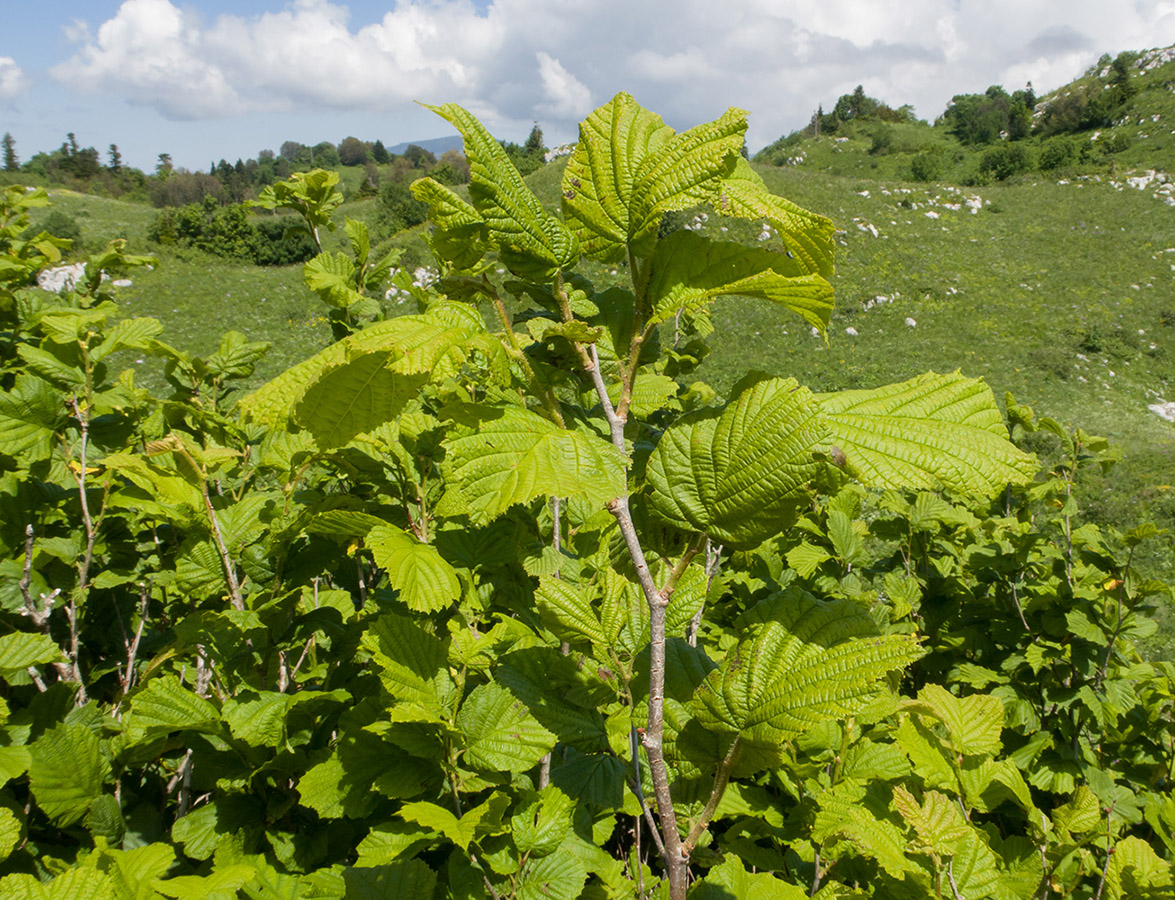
425 581
876 838
332 277
774 687
530 241
346 784
974 866
66 772
14 762
540 825
396 881
412 663
807 236
938 821
806 558
20 650
730 880
973 723
9 832
476 822
1136 871
570 608
459 232
48 366
739 478
688 271
134 334
597 779
133 872
931 432
164 706
559 875
29 415
224 883
429 343
514 456
236 357
501 735
614 141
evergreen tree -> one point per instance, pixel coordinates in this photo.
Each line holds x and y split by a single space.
380 153
115 159
11 164
534 142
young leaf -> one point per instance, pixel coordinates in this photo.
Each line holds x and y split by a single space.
931 432
774 687
515 455
973 723
531 242
938 821
807 236
459 232
738 478
425 581
614 141
688 271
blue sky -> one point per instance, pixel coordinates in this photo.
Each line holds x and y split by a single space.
211 78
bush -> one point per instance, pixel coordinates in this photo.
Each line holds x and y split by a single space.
1058 152
231 232
398 208
928 165
1005 161
276 245
59 224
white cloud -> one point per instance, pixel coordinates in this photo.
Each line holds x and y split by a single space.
519 60
566 96
12 78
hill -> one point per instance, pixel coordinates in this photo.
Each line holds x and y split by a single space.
1114 118
436 146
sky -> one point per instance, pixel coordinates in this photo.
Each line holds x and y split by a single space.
211 79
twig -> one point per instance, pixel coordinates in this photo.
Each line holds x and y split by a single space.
721 778
36 677
713 561
1109 854
676 860
951 879
362 582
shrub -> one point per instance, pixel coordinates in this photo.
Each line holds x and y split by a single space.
1006 160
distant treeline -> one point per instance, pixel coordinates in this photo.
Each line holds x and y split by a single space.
83 168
